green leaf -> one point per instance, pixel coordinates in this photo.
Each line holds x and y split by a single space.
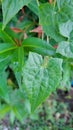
12 34
17 62
10 9
6 55
71 37
25 25
5 37
60 3
41 78
3 110
15 67
18 104
12 117
38 45
66 11
47 15
5 47
54 17
66 28
21 57
71 47
65 49
4 61
33 6
18 73
3 87
66 75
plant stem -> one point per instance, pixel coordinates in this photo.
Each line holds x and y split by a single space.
47 39
38 2
42 36
50 1
54 3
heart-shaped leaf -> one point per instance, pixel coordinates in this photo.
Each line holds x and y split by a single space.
41 78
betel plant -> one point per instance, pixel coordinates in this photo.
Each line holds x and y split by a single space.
39 65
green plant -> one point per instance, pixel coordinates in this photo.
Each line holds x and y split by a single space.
49 63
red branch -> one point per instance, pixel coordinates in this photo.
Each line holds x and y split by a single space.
50 1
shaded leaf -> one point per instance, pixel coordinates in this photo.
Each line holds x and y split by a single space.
3 87
18 104
66 75
71 37
33 6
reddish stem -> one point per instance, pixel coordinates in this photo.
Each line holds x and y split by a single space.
50 1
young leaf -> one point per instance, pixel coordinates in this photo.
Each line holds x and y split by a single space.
40 78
